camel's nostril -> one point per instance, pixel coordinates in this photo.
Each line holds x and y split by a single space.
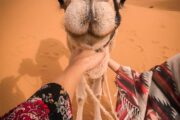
90 16
99 50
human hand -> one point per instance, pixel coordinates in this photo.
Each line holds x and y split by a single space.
113 65
86 59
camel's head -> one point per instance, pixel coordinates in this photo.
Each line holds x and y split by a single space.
91 21
91 24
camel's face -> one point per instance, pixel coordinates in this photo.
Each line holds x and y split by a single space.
89 22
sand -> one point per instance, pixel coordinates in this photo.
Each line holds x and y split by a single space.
172 5
33 46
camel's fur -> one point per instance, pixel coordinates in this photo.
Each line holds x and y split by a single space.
89 25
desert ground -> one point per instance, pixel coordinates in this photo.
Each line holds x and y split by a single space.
33 48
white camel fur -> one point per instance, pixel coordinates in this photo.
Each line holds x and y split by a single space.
91 24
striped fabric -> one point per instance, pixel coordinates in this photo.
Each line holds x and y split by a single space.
151 95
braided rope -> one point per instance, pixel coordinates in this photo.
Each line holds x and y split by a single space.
97 101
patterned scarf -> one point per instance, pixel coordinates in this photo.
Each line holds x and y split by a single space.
150 95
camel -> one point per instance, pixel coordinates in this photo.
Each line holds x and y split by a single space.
91 24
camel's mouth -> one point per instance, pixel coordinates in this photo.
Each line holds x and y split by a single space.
80 19
88 41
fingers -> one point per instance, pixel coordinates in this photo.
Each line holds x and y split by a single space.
75 52
94 59
87 53
86 59
113 65
98 56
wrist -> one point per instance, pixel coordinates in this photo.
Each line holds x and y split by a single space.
76 69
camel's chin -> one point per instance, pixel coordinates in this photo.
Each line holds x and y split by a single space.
79 20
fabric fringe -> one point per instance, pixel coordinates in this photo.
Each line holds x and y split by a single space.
133 111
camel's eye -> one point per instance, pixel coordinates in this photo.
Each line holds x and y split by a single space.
122 3
64 3
61 2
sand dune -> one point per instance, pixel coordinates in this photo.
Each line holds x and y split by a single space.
172 5
146 37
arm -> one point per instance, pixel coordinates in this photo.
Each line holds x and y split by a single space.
113 65
80 62
69 79
49 101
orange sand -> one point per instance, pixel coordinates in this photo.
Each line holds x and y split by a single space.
33 44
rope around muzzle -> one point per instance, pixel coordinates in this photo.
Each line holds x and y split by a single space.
112 37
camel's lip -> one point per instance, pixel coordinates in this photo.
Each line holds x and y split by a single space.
95 45
90 33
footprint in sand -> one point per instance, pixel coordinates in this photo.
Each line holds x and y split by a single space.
165 47
163 26
166 50
132 36
165 57
141 49
131 39
152 6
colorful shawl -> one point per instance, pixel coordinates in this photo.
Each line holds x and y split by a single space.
151 95
50 102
